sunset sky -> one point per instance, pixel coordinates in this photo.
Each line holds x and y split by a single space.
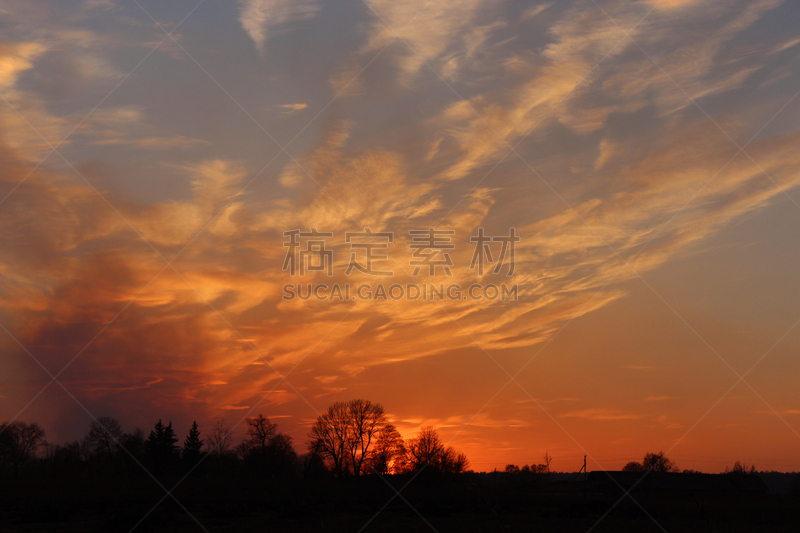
647 154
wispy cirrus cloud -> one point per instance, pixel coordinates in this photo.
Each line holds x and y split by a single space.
155 143
290 109
601 414
260 17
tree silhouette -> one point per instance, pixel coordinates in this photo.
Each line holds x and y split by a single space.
657 462
633 466
426 451
344 433
534 469
104 435
313 464
452 461
389 453
162 444
367 419
135 446
267 452
741 468
219 442
18 444
192 445
281 458
261 431
329 434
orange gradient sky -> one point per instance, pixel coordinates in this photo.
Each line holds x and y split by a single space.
646 153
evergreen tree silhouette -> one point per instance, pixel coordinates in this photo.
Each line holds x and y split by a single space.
170 442
191 445
162 445
155 439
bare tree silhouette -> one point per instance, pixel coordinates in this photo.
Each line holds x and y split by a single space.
261 431
344 433
18 444
104 435
426 451
219 441
367 419
740 468
389 453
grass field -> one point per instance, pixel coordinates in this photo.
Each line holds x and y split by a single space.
472 502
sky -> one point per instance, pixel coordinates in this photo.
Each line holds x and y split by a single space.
153 155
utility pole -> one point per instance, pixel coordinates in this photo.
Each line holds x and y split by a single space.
583 468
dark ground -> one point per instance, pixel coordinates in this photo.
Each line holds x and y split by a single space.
471 502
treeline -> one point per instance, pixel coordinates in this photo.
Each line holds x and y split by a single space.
525 470
349 439
659 462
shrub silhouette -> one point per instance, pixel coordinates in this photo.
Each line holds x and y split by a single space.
741 468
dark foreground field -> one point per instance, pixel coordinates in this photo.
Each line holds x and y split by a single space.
471 502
